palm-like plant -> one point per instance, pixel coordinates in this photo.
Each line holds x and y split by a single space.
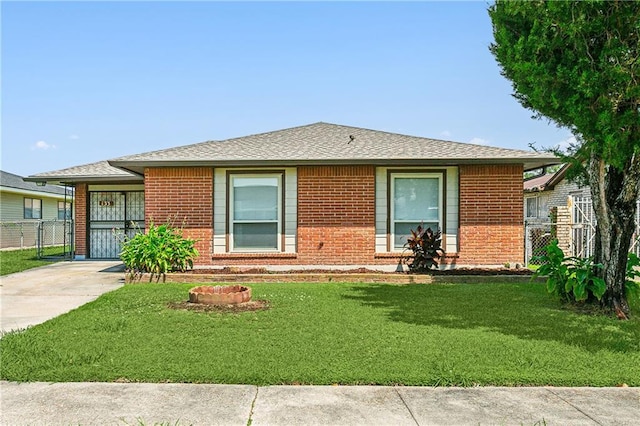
425 245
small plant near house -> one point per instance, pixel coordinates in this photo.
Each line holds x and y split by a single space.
572 279
160 250
425 245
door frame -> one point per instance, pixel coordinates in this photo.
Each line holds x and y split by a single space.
125 222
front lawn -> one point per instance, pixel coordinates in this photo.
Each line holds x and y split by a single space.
12 261
488 334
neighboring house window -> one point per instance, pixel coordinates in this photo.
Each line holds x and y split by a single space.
64 210
532 207
415 199
255 212
32 208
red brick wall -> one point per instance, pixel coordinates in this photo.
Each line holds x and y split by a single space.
491 214
183 196
336 214
80 207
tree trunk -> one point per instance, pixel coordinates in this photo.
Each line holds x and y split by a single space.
614 194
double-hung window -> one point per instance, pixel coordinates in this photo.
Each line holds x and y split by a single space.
255 212
32 208
416 199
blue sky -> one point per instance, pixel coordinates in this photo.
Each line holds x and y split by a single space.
88 81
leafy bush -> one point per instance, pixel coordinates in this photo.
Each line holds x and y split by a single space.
631 285
160 250
426 247
573 279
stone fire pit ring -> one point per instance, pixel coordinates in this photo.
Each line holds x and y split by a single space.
220 294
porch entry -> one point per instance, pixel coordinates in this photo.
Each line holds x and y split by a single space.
112 216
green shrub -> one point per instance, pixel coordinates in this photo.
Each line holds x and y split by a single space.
160 250
573 279
631 285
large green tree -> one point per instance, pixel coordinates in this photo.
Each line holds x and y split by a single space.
577 63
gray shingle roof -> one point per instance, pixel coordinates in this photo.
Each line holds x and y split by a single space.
327 143
318 143
9 180
93 172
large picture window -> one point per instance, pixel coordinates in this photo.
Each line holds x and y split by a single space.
416 198
255 216
32 208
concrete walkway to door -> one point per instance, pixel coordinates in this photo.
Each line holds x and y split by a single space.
34 296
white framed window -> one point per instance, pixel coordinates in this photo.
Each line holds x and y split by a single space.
532 207
255 212
32 208
415 199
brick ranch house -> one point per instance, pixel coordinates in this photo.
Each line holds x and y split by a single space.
320 194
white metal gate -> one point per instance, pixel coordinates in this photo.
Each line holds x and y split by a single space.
584 228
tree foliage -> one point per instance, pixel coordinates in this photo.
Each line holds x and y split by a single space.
577 64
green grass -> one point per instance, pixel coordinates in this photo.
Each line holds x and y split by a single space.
488 334
12 261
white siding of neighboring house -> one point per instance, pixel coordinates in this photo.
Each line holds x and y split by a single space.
12 205
452 208
290 202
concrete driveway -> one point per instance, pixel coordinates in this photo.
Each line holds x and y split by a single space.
37 295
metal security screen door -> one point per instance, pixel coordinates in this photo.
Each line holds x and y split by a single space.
112 215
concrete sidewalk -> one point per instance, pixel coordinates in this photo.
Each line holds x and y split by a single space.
34 296
189 404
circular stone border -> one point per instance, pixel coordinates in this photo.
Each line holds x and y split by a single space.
220 294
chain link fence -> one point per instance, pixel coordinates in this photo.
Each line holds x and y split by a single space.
537 236
52 238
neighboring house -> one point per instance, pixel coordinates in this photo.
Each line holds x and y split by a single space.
549 190
27 201
24 204
574 219
320 194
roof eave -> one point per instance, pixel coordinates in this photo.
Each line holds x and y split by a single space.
558 176
66 180
137 166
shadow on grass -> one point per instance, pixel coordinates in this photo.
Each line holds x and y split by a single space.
525 311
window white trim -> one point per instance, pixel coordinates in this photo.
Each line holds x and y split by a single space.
392 213
231 221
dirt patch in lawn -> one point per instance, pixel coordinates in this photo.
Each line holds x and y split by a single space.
253 305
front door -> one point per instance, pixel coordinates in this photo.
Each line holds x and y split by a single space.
112 216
